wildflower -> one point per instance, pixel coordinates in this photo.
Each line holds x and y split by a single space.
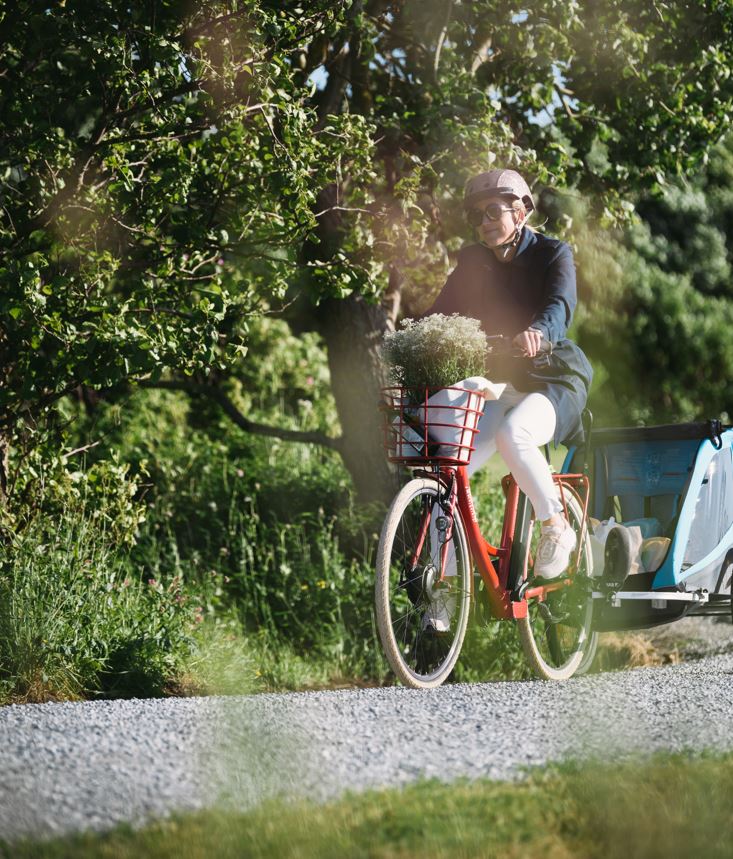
435 351
240 472
152 582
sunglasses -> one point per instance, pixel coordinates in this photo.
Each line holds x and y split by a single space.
493 211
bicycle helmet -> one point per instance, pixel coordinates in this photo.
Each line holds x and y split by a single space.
504 182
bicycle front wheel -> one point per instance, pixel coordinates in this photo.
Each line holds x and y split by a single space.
421 620
556 634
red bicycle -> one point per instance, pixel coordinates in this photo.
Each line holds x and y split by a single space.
431 540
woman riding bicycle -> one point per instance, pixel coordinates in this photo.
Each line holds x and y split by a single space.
521 284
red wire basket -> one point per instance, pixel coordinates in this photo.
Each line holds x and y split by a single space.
428 425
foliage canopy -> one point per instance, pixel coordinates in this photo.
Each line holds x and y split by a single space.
167 170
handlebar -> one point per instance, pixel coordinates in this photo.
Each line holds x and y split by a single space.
501 345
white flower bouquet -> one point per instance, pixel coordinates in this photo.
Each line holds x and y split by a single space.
436 351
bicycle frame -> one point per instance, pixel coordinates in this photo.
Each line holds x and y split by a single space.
493 562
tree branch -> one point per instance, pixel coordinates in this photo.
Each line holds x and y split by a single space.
441 40
565 104
479 56
219 396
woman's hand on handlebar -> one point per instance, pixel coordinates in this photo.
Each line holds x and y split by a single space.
518 347
529 341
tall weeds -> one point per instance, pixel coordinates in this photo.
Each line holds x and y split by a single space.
75 622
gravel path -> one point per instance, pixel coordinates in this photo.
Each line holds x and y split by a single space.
69 767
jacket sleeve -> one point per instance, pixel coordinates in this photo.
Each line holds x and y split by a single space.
560 296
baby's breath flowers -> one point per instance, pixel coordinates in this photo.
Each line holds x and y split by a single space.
436 351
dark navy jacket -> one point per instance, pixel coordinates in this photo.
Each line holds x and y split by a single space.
535 289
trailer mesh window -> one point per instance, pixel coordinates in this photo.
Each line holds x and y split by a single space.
713 514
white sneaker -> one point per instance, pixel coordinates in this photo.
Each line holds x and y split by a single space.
554 549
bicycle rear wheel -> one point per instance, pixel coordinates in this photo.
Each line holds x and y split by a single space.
421 621
556 634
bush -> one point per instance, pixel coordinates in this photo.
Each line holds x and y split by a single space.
75 618
261 563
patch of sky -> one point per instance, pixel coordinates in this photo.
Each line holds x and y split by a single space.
319 77
546 114
183 69
379 61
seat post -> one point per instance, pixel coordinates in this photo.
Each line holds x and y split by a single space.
586 418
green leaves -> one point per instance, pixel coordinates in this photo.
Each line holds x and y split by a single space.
165 176
159 173
656 310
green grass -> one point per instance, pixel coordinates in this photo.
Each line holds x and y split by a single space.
75 621
669 806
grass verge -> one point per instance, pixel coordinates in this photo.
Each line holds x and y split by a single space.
667 806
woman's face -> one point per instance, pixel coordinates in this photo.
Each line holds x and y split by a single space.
494 231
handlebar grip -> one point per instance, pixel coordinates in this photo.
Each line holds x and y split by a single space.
499 344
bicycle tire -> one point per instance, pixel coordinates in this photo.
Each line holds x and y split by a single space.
557 650
404 592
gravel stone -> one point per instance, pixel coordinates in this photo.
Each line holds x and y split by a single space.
89 766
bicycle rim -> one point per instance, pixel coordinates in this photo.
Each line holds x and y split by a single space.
410 600
556 634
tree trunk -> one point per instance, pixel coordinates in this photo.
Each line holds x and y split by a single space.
352 330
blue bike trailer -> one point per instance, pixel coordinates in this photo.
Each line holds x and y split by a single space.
680 478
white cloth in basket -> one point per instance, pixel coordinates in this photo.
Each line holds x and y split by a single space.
449 425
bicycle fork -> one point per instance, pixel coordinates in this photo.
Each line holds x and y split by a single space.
443 525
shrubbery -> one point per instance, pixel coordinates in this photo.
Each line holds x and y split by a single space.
180 555
77 618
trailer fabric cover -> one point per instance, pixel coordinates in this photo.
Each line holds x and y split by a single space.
713 514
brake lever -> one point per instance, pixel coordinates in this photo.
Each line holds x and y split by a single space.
500 344
545 348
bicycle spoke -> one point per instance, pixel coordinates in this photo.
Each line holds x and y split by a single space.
556 634
425 618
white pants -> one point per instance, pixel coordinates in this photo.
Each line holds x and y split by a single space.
516 425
